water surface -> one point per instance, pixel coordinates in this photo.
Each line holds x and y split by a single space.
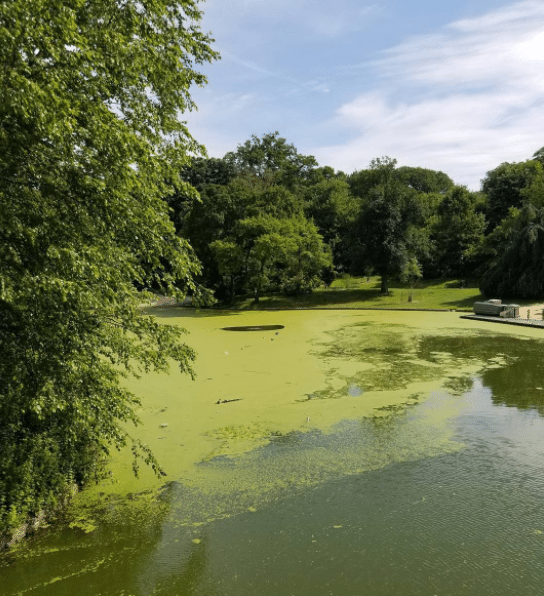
367 453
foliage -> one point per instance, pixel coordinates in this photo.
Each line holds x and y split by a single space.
269 254
385 223
90 96
271 157
516 266
202 171
362 181
424 180
213 217
229 258
504 188
276 201
539 155
458 232
410 274
333 209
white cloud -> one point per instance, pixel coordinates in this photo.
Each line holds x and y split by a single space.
371 10
471 98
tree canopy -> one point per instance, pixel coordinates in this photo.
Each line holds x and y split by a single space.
90 97
504 187
516 246
385 223
270 158
458 232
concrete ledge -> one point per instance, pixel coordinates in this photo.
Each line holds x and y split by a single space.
520 322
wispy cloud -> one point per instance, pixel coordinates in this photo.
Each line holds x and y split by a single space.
462 100
335 20
321 18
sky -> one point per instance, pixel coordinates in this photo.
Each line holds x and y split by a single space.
455 86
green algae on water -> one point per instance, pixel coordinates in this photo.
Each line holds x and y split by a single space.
297 399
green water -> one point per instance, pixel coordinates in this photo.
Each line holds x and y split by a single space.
366 453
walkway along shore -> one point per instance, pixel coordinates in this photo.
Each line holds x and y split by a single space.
521 322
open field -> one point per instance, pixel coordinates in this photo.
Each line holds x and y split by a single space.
357 292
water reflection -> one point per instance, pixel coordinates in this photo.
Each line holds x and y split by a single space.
511 367
178 568
520 384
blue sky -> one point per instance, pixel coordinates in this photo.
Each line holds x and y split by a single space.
455 86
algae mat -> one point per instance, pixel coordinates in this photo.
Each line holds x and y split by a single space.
255 389
349 452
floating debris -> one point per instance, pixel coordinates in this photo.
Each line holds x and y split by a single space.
254 328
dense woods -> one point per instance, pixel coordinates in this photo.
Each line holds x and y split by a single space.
100 202
271 220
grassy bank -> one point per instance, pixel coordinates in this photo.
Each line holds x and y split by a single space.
362 292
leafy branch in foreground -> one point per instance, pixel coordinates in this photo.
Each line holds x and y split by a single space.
90 97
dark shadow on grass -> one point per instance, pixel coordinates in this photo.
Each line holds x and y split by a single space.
466 303
327 298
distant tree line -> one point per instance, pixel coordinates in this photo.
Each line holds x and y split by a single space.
271 220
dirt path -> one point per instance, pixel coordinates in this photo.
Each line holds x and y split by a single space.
535 311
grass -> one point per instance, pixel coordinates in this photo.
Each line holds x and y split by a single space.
362 292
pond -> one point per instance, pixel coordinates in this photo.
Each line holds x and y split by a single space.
350 452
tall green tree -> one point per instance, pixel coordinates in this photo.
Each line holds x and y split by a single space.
271 160
516 255
504 188
202 171
384 229
458 233
90 97
211 218
425 180
276 254
361 182
333 209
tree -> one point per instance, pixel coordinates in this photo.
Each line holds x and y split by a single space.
203 171
271 159
333 209
539 155
276 201
534 193
361 182
90 97
384 227
504 188
321 174
516 250
229 258
410 274
424 180
268 253
213 217
458 232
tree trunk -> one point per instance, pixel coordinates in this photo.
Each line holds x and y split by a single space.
256 295
385 287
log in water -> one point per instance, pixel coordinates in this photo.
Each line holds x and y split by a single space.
254 328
